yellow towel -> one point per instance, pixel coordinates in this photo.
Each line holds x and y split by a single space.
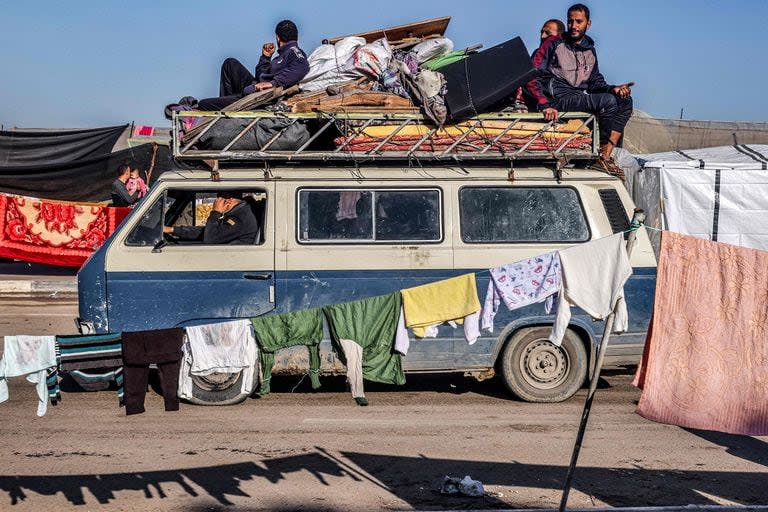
435 303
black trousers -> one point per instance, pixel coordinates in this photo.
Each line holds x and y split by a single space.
234 78
136 380
142 348
612 112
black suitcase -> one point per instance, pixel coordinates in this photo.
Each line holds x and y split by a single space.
483 79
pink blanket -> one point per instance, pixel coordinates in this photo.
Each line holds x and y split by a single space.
705 364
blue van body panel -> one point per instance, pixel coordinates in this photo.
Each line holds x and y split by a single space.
92 290
219 296
139 301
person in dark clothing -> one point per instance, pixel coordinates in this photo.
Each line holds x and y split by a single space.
120 194
231 221
290 66
570 80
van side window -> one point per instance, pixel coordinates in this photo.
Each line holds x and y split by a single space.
369 215
188 211
521 214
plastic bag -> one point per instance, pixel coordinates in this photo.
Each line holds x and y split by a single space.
432 48
466 486
328 64
371 59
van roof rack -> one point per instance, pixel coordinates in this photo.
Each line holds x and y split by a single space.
505 136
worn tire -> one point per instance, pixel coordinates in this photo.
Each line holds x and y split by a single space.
535 370
218 389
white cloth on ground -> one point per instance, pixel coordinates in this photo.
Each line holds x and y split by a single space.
225 347
353 353
521 284
594 274
30 356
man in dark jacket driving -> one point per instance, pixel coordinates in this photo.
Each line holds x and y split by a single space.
231 221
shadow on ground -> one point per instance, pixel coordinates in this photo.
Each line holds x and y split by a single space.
412 479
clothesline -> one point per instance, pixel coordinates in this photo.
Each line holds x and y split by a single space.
633 227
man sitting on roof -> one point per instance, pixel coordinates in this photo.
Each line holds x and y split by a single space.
524 102
569 80
287 69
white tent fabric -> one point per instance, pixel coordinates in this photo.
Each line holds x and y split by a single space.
716 193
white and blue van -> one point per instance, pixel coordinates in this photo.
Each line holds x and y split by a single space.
410 225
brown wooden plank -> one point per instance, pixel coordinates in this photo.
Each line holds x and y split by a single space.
419 29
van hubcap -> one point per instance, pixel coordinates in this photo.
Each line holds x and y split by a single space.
544 365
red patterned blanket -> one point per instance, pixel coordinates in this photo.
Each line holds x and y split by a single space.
54 232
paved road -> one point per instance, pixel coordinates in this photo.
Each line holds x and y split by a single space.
319 451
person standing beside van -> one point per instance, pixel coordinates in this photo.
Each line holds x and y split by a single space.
231 221
121 196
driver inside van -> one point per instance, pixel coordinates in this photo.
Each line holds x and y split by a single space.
231 221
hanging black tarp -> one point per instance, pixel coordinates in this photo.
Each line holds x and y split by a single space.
45 147
87 179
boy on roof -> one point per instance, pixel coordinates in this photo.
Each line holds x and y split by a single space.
569 80
287 69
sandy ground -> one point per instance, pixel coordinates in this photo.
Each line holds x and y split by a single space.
319 451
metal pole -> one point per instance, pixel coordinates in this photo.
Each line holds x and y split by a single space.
637 219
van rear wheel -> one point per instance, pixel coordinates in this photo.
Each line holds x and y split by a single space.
535 370
218 389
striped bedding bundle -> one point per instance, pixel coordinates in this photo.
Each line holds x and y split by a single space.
90 352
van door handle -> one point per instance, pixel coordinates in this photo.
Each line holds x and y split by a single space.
257 277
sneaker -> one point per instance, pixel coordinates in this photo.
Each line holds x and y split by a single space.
189 101
608 166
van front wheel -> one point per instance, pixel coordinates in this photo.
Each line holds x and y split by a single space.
218 389
535 370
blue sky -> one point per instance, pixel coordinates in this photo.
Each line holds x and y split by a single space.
93 63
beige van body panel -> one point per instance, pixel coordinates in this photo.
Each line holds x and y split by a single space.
283 250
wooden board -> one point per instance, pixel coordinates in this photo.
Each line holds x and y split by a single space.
353 99
418 30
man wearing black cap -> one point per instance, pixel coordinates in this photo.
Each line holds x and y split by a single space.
287 69
230 222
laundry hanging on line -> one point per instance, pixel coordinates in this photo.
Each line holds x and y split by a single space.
521 284
594 275
161 347
448 300
29 356
276 332
225 347
76 353
705 363
363 334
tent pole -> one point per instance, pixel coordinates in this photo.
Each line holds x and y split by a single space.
637 220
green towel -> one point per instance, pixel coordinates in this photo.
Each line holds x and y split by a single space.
443 60
371 323
275 332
